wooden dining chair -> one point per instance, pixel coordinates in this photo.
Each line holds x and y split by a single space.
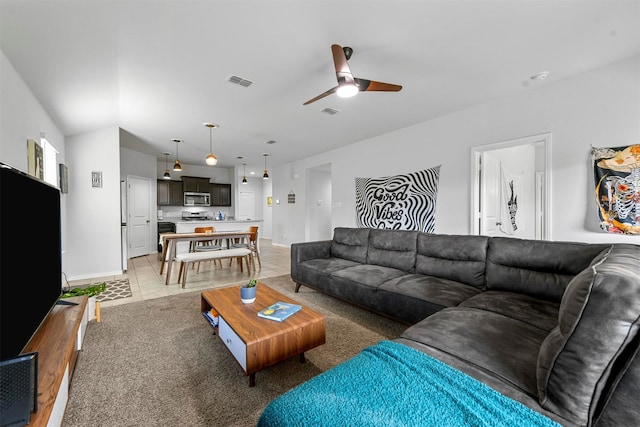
251 244
205 245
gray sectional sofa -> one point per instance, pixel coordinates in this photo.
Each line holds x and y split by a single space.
552 325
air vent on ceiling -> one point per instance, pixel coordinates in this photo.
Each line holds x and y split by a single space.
330 110
271 141
239 81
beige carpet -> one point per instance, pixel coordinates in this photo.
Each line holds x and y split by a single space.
156 363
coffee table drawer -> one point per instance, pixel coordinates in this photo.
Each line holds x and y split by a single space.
233 342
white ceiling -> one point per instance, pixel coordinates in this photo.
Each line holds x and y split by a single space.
159 69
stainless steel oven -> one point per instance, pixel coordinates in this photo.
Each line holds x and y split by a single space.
197 199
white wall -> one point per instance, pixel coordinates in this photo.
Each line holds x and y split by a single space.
93 215
22 117
600 108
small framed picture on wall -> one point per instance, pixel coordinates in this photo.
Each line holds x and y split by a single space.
64 178
35 159
96 179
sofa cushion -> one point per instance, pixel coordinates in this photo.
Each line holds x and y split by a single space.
316 273
359 283
326 265
534 311
350 243
598 318
505 347
440 292
370 274
535 267
393 248
458 258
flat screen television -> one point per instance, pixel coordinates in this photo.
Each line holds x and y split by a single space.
30 257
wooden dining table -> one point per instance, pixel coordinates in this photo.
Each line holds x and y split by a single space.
170 241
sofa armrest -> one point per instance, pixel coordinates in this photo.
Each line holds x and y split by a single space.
301 252
310 250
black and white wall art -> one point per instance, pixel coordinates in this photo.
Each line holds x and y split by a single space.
399 202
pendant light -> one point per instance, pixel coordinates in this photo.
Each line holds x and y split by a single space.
177 166
211 159
166 175
244 173
265 175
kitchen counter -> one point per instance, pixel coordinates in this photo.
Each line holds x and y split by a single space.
223 225
209 222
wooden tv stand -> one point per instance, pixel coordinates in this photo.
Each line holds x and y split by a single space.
57 342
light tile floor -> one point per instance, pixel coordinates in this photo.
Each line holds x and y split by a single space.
147 283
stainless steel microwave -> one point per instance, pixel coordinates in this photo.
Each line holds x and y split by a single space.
197 199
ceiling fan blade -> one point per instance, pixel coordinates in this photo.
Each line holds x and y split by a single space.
374 86
340 60
322 95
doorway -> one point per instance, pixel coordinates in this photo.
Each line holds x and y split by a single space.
318 225
246 206
138 216
511 182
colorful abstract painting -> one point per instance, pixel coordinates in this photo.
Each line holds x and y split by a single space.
400 202
617 179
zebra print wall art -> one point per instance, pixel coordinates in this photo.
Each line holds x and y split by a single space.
400 202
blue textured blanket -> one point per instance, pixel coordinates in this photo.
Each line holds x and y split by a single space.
390 384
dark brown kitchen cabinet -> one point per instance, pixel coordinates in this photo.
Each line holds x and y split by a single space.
220 194
170 193
195 184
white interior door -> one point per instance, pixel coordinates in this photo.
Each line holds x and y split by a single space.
490 213
246 205
139 223
318 218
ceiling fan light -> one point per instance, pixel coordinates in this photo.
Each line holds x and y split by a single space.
211 159
347 90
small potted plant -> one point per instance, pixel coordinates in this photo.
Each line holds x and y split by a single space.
248 291
91 292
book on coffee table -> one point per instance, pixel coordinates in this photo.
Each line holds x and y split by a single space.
279 311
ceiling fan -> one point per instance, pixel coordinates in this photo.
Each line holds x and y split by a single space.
347 84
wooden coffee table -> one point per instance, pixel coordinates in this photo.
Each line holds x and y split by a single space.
258 343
